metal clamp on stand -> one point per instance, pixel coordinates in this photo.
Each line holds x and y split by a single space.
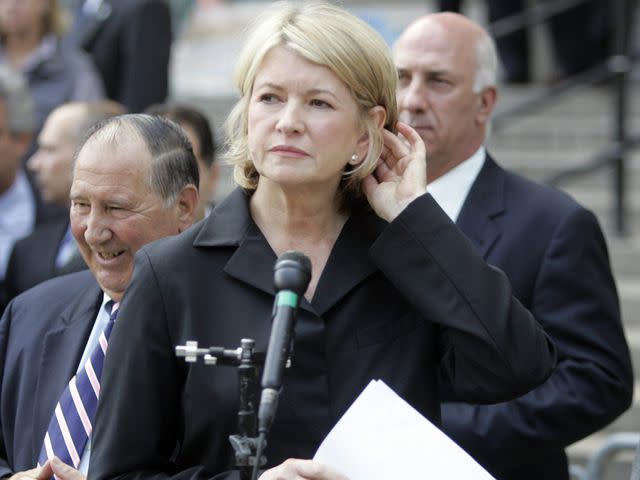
292 273
247 360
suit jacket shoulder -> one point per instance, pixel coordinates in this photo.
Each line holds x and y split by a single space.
43 333
33 258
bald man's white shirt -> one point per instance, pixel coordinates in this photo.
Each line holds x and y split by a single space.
451 189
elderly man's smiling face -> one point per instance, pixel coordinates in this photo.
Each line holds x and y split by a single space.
115 210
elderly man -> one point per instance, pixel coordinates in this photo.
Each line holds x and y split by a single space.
551 248
50 250
135 180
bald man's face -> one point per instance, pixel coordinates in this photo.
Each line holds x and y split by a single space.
436 68
51 163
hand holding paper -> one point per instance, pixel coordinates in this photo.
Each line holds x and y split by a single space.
307 469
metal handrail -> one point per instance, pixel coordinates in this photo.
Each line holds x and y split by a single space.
534 15
612 446
616 68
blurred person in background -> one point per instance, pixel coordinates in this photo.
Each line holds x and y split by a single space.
130 44
31 41
20 206
198 129
50 249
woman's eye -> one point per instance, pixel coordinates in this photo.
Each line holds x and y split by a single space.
320 103
268 98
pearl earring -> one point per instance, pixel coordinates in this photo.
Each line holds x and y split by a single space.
355 158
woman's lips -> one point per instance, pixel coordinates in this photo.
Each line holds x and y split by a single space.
288 150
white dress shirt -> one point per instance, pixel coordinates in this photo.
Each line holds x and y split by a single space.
451 189
17 217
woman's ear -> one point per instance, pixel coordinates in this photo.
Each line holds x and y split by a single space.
377 117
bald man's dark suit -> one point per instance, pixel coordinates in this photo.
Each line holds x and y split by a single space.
46 214
556 259
43 333
33 258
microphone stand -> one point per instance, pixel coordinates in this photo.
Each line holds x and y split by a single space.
247 360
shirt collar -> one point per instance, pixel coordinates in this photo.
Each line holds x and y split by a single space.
451 189
16 204
90 7
45 51
105 299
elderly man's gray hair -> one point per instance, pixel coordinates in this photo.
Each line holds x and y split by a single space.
173 164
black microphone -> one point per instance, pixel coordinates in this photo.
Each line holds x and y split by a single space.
292 274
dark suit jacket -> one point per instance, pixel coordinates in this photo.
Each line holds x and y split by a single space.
33 259
45 214
43 333
556 259
402 302
130 45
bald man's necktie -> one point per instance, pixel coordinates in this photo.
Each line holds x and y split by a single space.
71 422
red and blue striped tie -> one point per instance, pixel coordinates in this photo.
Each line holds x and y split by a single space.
70 425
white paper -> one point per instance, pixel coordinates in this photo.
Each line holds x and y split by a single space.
381 437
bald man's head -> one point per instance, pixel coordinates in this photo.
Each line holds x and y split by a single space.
447 68
51 164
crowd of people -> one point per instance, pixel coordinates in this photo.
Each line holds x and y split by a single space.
368 158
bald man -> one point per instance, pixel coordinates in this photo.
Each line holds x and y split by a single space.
551 248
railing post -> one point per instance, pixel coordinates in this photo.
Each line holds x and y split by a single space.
620 65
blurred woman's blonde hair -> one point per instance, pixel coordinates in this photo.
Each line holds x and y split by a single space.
329 36
55 20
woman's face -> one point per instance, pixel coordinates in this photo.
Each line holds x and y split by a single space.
303 123
18 16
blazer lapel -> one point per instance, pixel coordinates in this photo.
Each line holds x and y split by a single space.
230 224
349 263
61 352
482 207
54 246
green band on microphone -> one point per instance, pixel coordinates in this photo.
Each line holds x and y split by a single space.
287 298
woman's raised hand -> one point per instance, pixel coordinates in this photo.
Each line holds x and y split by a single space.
401 174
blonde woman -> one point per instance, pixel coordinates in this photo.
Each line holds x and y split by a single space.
396 292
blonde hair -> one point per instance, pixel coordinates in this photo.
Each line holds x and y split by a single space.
329 36
55 21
